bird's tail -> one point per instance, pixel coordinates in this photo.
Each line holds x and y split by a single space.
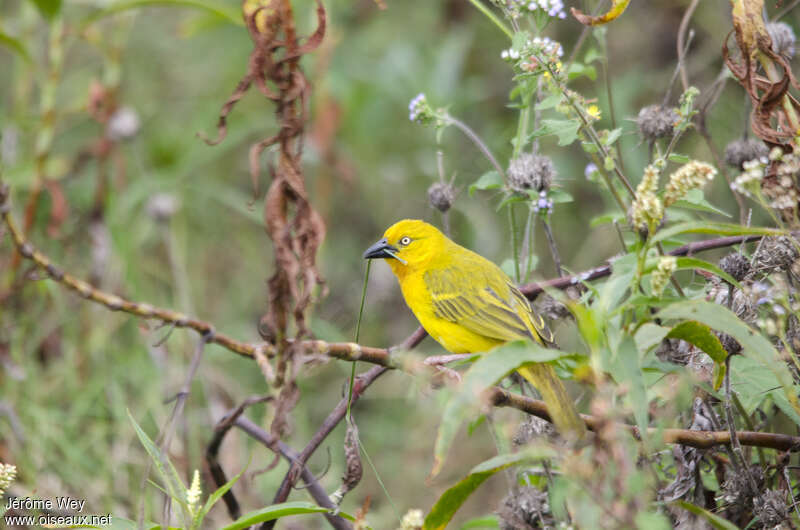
559 404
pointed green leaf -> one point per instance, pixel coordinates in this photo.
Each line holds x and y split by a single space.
485 372
273 512
48 8
722 229
15 45
695 200
565 130
754 345
452 499
172 481
491 180
715 520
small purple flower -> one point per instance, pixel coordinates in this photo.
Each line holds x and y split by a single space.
590 170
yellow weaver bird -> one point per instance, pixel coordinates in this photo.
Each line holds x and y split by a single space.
469 305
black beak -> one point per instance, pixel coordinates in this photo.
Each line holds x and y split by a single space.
381 249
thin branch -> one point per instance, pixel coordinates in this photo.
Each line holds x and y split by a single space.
362 382
532 290
699 439
681 40
212 451
314 488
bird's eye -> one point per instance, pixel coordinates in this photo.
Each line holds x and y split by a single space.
405 241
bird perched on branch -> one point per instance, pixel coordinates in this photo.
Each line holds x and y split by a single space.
469 305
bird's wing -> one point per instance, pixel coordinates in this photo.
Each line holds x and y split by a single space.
484 301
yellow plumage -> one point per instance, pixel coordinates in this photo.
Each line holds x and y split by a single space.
468 304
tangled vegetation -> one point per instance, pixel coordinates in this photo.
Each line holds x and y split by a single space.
632 169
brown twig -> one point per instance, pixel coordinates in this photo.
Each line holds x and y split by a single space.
314 488
681 40
499 397
330 423
212 451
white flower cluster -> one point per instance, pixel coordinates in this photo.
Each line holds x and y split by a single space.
194 492
412 520
542 45
748 182
692 175
553 8
8 473
647 207
658 280
784 194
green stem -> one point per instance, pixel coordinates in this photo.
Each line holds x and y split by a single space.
513 224
491 16
358 332
522 127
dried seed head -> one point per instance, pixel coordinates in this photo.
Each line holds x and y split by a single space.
441 196
532 427
743 150
656 121
783 38
735 264
776 254
771 508
736 488
525 507
353 470
730 344
531 172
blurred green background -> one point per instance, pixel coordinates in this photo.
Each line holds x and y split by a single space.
179 229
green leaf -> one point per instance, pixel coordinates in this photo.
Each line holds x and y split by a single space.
275 511
652 521
491 180
683 263
549 102
701 336
485 372
214 497
577 70
722 229
649 335
695 200
678 158
754 345
715 520
452 499
223 10
48 8
613 136
629 365
488 521
169 474
559 196
565 130
15 45
605 219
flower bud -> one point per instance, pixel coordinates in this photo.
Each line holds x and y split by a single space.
441 196
531 172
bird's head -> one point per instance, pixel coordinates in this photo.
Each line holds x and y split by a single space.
407 244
